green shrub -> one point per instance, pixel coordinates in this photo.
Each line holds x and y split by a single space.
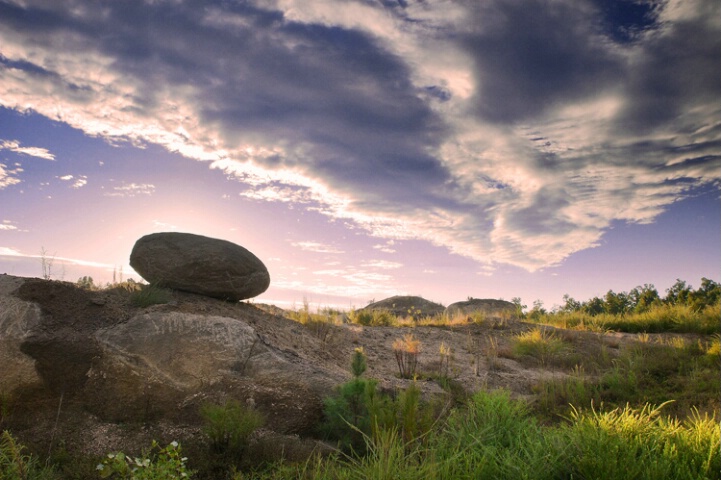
658 372
358 364
148 295
229 426
165 464
15 464
541 345
557 395
496 437
373 318
356 410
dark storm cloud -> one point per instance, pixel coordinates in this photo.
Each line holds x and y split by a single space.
255 76
531 55
678 69
509 130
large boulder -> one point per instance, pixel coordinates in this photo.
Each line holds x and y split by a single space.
489 307
407 306
197 264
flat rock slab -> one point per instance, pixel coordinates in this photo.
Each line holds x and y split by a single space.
197 264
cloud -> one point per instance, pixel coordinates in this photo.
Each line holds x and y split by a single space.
131 190
508 132
385 248
11 252
7 177
14 146
78 182
316 247
382 264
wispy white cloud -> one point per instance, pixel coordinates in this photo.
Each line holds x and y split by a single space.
12 252
9 252
316 247
7 225
14 146
164 226
8 177
386 247
507 132
77 181
382 264
342 282
131 190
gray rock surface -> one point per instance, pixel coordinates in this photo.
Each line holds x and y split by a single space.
17 319
94 352
407 306
487 306
198 264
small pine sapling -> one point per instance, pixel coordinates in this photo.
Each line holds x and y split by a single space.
358 363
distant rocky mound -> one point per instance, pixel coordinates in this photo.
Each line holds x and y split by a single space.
407 306
198 264
487 306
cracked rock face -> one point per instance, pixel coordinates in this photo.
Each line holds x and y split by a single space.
197 264
97 354
487 306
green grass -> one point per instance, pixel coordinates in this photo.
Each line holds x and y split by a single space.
150 295
660 319
683 371
16 464
497 437
543 347
491 436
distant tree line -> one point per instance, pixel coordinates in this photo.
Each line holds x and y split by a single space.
639 300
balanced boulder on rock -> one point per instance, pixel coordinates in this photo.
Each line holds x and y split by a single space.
197 264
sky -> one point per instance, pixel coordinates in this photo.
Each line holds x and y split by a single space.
364 149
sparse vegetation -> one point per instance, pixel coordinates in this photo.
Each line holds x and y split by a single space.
229 427
682 310
406 351
497 437
359 414
15 464
542 346
637 405
373 318
320 323
156 464
152 294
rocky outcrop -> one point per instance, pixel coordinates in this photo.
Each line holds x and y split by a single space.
198 264
17 319
98 354
407 306
489 307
